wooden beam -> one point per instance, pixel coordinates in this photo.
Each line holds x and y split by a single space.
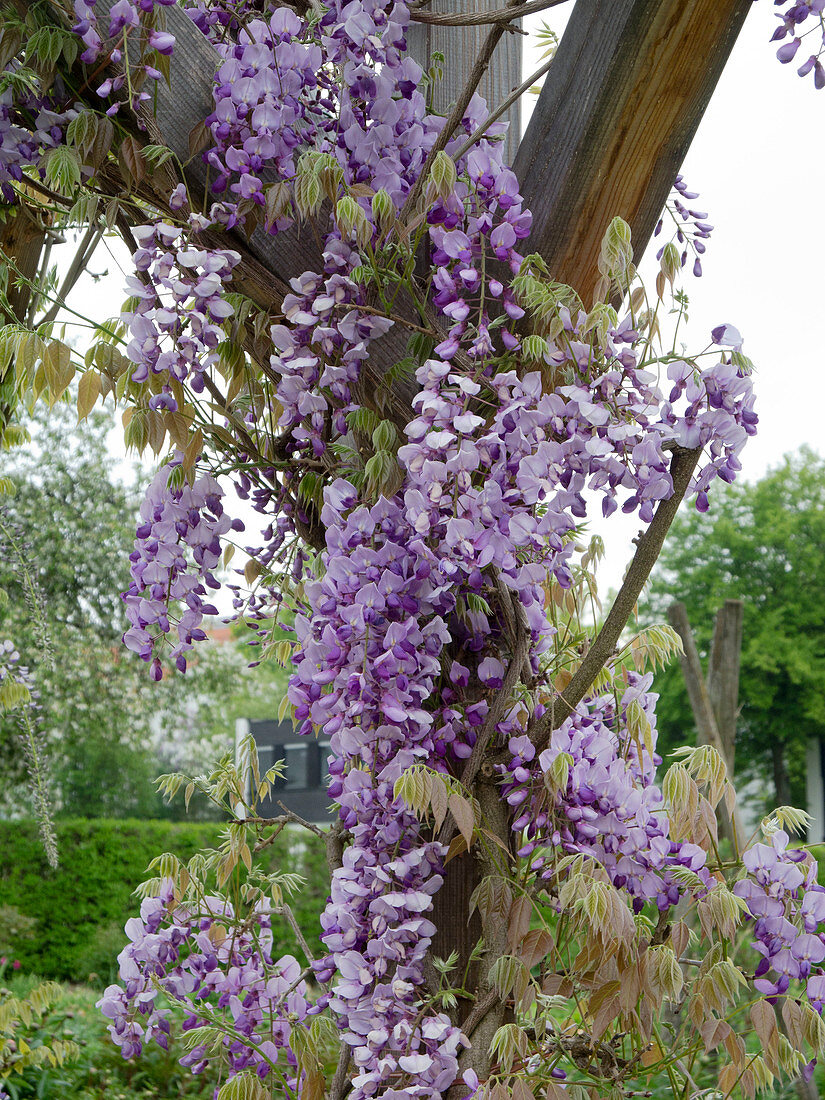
614 120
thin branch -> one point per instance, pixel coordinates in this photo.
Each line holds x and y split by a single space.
648 549
479 1012
279 823
483 18
285 910
302 821
502 108
455 116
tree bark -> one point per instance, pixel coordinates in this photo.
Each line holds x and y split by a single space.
706 728
723 674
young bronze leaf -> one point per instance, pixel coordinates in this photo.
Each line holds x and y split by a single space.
132 161
535 946
462 812
88 391
763 1019
518 922
522 1091
792 1015
714 1032
438 802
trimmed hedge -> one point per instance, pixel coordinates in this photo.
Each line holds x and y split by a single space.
81 906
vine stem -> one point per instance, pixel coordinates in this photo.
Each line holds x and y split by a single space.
483 18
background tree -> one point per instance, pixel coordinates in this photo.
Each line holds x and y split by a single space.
67 531
763 543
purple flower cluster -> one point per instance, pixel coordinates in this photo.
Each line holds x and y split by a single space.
489 496
692 226
480 221
174 520
609 806
126 20
788 910
796 13
368 661
275 98
201 957
30 128
319 356
264 104
180 301
719 416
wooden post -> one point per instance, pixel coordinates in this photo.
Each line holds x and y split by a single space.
460 47
707 728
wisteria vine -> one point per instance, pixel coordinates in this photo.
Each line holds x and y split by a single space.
424 634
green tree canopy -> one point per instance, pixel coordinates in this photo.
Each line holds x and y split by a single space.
763 543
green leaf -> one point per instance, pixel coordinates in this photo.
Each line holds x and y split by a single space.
62 168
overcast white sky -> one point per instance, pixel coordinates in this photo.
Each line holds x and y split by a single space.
758 161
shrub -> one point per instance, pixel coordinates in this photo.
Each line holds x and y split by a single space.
80 907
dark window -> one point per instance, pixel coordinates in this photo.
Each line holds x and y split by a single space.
297 759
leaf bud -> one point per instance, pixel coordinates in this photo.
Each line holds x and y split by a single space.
137 431
443 176
670 262
307 192
617 250
383 210
330 175
559 772
351 219
534 348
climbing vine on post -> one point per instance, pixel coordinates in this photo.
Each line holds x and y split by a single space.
425 414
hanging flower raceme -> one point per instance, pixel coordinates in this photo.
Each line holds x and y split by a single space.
177 549
367 663
593 793
787 907
180 305
692 226
199 959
